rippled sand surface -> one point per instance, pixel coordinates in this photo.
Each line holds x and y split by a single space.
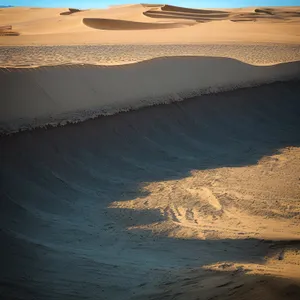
123 54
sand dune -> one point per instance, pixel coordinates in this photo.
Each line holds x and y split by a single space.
111 24
169 202
36 56
289 12
190 10
5 27
65 26
6 30
152 5
39 98
71 11
271 14
178 15
166 178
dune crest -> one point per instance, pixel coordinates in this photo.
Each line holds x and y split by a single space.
189 10
205 15
53 26
6 30
40 99
71 11
111 24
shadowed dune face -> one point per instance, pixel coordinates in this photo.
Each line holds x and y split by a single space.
188 16
173 8
203 15
127 206
111 24
278 12
269 14
37 101
7 31
195 199
71 11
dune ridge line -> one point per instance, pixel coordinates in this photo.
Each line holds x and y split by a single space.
61 94
149 24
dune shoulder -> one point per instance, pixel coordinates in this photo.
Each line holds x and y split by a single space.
148 24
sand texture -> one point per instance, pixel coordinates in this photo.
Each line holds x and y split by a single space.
190 200
150 152
103 55
149 24
38 97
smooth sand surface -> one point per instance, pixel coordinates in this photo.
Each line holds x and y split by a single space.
54 95
164 24
160 196
112 24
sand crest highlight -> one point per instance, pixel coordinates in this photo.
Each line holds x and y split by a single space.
164 24
61 94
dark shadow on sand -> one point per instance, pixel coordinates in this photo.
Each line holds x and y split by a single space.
71 11
61 238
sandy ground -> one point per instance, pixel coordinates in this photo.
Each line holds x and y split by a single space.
197 199
190 200
161 24
35 56
53 95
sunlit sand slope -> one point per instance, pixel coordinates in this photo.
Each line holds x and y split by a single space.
163 24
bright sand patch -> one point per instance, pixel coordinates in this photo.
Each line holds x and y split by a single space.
165 24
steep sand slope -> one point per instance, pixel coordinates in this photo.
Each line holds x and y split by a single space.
197 199
65 26
201 15
54 95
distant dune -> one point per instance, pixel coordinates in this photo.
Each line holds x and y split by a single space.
272 14
6 30
56 26
174 12
70 11
111 24
172 8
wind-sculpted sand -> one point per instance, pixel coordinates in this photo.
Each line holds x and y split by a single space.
54 95
150 24
35 56
150 152
179 201
6 30
71 11
112 24
202 15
